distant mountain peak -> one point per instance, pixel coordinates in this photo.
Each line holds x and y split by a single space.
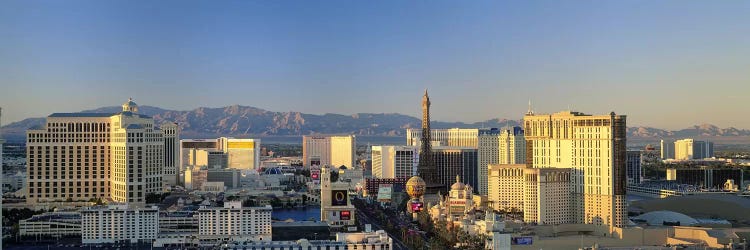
239 120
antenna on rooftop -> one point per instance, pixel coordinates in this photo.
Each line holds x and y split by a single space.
530 111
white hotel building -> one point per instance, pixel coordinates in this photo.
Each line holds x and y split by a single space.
453 137
119 223
593 148
394 161
329 150
80 156
233 222
498 146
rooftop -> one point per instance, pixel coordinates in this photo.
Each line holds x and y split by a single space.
81 115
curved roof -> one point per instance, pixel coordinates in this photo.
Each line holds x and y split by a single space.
458 185
657 218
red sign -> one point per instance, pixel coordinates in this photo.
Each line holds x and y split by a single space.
416 207
346 215
314 176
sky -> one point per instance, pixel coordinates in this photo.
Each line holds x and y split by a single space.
665 64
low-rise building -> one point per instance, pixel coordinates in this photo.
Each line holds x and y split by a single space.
119 223
234 222
52 224
378 240
178 222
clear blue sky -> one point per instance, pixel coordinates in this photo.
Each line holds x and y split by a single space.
668 64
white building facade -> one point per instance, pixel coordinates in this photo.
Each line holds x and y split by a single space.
667 149
498 146
506 186
593 146
394 161
453 137
119 223
234 222
83 156
547 196
329 150
689 149
241 153
488 153
335 206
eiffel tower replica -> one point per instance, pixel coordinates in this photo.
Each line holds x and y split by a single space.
427 169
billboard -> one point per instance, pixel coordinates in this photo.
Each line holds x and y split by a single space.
524 240
416 207
339 197
384 192
346 215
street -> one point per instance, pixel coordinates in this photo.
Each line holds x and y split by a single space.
365 219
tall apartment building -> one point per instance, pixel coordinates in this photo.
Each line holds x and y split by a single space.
667 149
512 146
453 137
189 157
81 156
333 150
241 153
119 223
499 146
170 173
593 146
456 161
234 222
547 196
633 166
506 185
488 153
689 149
394 161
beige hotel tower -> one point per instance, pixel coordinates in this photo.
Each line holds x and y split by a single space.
593 148
80 156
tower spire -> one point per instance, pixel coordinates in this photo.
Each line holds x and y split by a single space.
530 111
426 168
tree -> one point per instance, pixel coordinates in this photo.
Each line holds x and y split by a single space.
334 176
275 202
153 198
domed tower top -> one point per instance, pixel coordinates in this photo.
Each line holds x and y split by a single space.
130 106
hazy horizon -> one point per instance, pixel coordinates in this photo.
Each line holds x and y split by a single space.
664 64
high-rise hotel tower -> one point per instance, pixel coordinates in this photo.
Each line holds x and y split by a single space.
593 147
80 156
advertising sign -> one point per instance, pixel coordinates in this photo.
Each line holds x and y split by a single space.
416 207
338 197
384 192
346 215
525 240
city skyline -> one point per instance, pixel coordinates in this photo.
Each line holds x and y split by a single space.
676 65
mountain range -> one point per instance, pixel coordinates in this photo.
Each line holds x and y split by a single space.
244 121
